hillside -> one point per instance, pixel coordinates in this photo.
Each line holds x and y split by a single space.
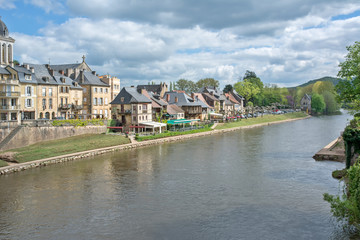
330 79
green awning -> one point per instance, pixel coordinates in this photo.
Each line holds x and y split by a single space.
178 121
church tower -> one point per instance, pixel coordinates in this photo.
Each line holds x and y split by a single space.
6 46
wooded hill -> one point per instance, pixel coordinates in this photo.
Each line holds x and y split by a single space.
329 79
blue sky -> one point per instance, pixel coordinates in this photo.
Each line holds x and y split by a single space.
283 42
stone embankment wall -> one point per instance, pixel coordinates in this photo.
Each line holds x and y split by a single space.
79 155
29 135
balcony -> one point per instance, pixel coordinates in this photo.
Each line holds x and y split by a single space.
9 82
124 111
64 106
77 107
7 107
9 94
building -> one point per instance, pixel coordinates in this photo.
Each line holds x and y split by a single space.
6 46
192 108
114 84
159 89
305 103
96 93
131 108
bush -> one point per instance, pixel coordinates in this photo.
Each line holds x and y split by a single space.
347 207
77 122
170 134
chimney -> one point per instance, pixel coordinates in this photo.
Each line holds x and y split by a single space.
168 98
212 93
77 72
193 95
82 79
176 99
47 66
32 70
67 72
61 72
93 72
143 91
26 66
51 71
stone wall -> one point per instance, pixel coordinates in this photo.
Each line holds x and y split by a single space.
29 135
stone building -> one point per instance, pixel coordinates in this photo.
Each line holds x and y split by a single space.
6 46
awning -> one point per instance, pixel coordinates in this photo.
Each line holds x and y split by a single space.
178 121
153 125
216 114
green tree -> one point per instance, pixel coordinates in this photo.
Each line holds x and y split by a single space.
246 89
317 103
330 101
322 86
349 89
185 85
228 88
207 82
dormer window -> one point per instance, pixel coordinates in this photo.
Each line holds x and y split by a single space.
62 79
45 79
122 99
27 77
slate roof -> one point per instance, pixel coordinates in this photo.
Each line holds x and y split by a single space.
130 95
208 95
151 88
3 71
65 66
183 99
41 72
232 98
199 97
91 79
154 104
22 71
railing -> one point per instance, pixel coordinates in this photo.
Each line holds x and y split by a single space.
7 107
64 106
127 111
9 94
9 82
77 107
144 111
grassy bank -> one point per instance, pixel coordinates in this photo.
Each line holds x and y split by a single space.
67 146
264 119
170 134
3 163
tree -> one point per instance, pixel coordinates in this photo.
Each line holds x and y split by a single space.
331 105
349 89
317 103
228 88
246 89
185 85
322 86
207 82
16 63
251 77
249 74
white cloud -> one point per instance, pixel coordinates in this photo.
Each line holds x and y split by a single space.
7 4
48 6
299 49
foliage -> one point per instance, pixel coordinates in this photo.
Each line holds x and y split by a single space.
185 85
78 122
317 103
66 146
264 119
16 63
349 89
347 207
3 163
331 105
321 87
207 82
170 134
333 80
351 136
228 88
246 89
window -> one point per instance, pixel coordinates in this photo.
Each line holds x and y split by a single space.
50 103
105 90
27 77
28 91
106 113
139 118
43 91
100 101
84 90
50 92
134 119
101 112
44 104
122 100
139 107
62 89
95 111
95 89
62 101
101 90
28 103
146 117
95 101
145 107
106 101
84 99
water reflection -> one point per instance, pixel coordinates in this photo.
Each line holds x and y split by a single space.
251 184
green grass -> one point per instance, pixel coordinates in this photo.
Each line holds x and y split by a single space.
264 119
67 146
170 134
3 163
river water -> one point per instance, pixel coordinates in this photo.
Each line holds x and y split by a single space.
259 183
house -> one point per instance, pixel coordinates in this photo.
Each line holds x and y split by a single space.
131 108
305 103
157 104
175 112
96 93
192 109
9 96
237 100
114 84
215 98
158 89
206 109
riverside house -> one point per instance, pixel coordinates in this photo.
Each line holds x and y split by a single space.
192 108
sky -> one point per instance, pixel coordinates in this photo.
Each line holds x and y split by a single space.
285 42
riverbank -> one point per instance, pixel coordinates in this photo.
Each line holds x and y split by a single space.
78 155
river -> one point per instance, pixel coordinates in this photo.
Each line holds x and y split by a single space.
259 183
